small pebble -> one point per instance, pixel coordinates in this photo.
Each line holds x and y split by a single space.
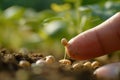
41 62
50 59
24 64
77 66
95 64
87 64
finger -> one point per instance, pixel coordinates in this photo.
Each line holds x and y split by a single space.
108 72
103 39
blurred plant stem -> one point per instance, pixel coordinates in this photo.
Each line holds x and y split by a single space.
77 5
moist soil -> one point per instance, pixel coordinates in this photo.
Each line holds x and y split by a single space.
11 69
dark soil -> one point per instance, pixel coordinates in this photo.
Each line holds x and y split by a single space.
10 68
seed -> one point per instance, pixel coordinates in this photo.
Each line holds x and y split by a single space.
77 66
50 59
95 64
24 64
65 62
64 41
87 64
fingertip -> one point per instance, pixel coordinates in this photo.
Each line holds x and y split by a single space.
108 72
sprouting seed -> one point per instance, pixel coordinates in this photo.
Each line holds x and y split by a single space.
64 41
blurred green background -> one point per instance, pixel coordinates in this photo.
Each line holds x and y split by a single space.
39 25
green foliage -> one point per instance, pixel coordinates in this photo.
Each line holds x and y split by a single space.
35 4
24 27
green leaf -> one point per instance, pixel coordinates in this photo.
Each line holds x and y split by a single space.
52 19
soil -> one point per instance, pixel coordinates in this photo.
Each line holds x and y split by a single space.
28 69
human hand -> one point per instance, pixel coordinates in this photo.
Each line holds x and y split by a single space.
100 40
108 72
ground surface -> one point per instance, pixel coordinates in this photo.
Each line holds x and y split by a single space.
36 66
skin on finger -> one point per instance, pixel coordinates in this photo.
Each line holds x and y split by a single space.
108 72
103 39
